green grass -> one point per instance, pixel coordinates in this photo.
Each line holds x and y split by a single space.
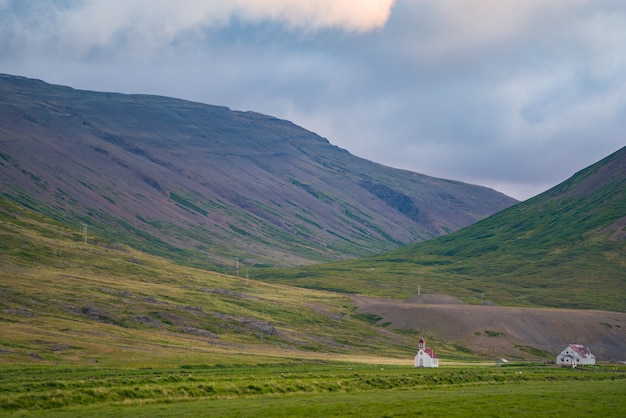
304 388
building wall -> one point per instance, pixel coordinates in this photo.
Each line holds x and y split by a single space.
422 359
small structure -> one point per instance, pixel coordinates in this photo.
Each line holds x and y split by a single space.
575 354
425 357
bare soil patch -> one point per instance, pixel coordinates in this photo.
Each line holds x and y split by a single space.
501 331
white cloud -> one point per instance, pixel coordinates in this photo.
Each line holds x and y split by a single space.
110 24
351 15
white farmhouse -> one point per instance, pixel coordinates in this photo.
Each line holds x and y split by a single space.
425 357
575 354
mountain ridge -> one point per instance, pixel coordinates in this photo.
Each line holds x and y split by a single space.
564 248
204 185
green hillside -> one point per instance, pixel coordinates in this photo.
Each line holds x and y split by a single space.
66 300
563 248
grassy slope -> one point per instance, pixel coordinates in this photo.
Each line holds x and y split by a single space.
564 248
64 301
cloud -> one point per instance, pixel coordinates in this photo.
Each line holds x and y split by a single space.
351 15
110 24
507 91
449 27
511 94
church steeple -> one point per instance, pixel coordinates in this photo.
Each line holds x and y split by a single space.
422 343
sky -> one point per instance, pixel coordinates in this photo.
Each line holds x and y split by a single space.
516 95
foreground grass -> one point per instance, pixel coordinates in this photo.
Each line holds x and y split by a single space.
299 388
528 399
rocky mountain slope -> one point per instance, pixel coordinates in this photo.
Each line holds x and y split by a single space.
205 185
564 248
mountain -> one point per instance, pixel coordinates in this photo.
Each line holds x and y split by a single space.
208 186
563 248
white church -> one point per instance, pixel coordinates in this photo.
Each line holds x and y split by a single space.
425 357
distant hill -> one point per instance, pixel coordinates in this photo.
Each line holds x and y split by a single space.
204 185
564 248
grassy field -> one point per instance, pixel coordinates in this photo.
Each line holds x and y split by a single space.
286 388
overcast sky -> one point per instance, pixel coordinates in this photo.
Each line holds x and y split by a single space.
516 95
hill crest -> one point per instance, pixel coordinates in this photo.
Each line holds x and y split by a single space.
205 185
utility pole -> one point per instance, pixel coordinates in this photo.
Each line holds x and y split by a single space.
83 230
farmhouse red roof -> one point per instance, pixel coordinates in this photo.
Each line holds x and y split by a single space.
582 351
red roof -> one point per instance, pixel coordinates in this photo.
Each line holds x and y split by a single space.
430 352
582 351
